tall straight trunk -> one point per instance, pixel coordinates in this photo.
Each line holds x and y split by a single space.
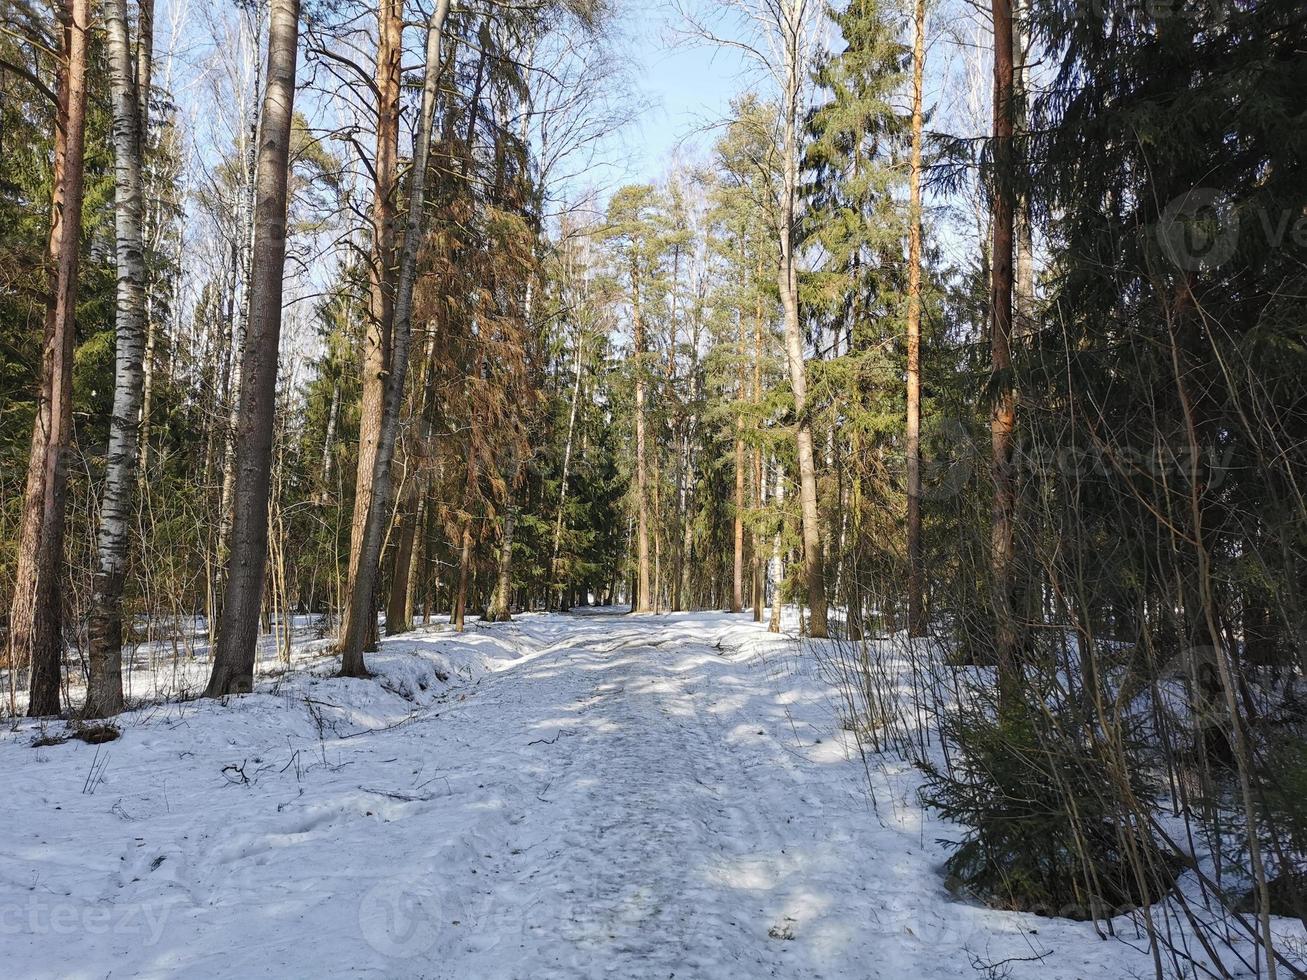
398 602
685 595
36 613
640 602
813 565
567 463
329 440
737 576
498 610
381 290
657 535
788 284
1024 280
144 71
778 543
759 572
104 690
501 602
758 584
360 612
415 556
233 661
244 257
916 606
464 564
1003 413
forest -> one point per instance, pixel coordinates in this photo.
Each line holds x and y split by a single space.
886 478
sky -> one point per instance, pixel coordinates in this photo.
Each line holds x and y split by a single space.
689 88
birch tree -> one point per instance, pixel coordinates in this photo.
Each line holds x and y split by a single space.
128 71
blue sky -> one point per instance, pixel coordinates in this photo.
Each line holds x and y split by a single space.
690 88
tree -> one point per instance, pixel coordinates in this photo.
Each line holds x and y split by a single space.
1003 414
857 226
634 235
233 662
361 614
780 38
793 30
129 69
916 583
36 616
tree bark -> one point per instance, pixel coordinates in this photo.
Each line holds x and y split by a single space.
567 462
916 606
364 558
641 600
381 296
398 603
500 602
464 563
737 577
788 284
243 255
759 570
499 611
233 662
1024 279
104 691
144 70
1003 413
777 566
36 613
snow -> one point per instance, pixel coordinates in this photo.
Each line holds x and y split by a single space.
560 796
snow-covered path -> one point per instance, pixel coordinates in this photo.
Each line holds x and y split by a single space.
587 796
654 821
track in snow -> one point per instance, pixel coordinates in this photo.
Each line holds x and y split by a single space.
629 797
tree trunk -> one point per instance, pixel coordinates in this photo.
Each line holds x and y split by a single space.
778 543
759 581
916 607
1024 281
641 602
464 561
233 662
1003 415
759 571
567 463
499 611
381 298
329 440
788 284
243 254
398 605
144 69
104 691
364 558
36 613
737 576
